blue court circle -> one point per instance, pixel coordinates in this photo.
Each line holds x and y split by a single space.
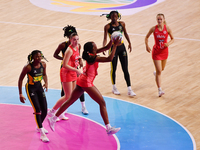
141 128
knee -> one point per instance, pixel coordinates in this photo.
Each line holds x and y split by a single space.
158 72
102 103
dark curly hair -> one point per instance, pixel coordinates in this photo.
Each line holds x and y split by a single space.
88 47
34 52
108 16
68 30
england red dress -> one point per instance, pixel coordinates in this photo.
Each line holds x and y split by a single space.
68 75
160 52
87 77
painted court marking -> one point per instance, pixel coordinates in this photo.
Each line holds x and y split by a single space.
76 133
46 26
141 127
96 7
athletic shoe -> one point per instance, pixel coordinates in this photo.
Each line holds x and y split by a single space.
44 138
63 117
160 93
58 119
154 73
45 130
84 111
112 130
131 93
52 123
115 91
51 112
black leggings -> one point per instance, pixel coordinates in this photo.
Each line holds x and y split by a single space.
82 97
122 54
38 101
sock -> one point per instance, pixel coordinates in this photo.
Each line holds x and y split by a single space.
129 88
108 126
114 86
41 131
159 89
53 110
83 104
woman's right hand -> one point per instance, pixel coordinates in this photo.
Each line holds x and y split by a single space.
22 98
79 72
148 49
117 41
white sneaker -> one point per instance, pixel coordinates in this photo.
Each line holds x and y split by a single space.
44 138
84 111
51 112
52 123
131 93
112 130
160 93
58 119
115 91
45 130
63 117
154 73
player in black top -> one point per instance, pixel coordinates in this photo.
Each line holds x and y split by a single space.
109 28
36 72
68 30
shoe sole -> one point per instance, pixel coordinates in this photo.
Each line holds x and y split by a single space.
84 113
115 93
161 94
131 95
111 133
45 141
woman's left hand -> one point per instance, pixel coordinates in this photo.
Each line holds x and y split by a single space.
129 47
45 87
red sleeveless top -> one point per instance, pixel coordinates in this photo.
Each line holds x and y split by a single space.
68 75
159 51
89 73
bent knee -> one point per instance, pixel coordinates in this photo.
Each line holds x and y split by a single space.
102 103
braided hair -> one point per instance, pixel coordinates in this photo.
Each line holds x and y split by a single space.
34 52
68 30
88 47
108 16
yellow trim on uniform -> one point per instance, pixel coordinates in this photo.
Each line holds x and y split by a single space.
111 66
31 103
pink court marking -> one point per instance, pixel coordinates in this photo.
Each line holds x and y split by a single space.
18 131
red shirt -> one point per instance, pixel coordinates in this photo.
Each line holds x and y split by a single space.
159 51
68 75
89 73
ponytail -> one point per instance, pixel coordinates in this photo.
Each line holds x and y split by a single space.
30 56
86 55
108 16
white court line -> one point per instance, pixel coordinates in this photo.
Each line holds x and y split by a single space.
3 22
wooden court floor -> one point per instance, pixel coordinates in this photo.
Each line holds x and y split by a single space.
25 27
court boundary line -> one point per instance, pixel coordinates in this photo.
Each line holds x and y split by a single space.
191 136
15 23
115 137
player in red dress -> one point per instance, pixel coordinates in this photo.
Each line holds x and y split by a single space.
68 72
62 47
160 49
85 83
